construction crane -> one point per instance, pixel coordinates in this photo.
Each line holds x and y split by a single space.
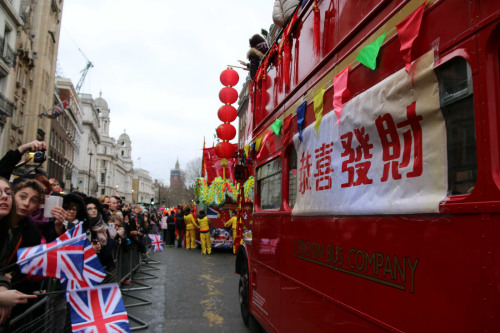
84 72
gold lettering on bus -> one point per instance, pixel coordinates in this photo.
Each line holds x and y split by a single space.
387 269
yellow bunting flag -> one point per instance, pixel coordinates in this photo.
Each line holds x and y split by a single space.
247 150
258 142
318 108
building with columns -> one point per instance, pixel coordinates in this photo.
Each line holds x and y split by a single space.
90 140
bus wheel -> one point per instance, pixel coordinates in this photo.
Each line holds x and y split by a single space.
243 293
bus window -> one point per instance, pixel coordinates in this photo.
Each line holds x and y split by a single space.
457 105
269 184
292 176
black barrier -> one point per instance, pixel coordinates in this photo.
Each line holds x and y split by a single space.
41 318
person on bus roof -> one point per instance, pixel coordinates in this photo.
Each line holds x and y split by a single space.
283 11
258 49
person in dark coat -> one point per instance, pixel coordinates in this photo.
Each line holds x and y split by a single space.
171 229
258 49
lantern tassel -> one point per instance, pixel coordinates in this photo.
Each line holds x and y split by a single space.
317 27
287 63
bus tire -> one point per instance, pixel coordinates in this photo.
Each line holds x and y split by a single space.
243 293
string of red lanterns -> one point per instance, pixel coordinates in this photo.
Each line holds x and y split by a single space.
227 113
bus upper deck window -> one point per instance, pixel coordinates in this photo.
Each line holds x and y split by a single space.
457 104
269 184
292 177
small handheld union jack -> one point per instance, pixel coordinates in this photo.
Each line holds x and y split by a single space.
56 259
98 309
93 272
157 242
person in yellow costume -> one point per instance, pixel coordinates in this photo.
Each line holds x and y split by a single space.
232 223
190 229
204 222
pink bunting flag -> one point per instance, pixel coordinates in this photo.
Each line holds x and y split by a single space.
340 92
408 30
267 139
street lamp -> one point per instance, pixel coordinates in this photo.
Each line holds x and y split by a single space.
90 163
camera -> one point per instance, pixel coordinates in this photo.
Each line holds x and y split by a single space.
39 156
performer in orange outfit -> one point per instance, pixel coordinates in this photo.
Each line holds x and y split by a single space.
190 229
232 223
204 222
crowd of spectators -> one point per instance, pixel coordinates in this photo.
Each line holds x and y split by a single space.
107 221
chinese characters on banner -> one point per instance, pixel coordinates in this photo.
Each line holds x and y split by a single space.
388 156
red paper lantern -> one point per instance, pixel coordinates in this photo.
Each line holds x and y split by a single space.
226 131
229 77
227 113
228 95
225 149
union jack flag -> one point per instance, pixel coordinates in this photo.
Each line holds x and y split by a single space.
58 109
97 310
56 259
76 231
157 242
93 272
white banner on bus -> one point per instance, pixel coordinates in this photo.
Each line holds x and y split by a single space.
387 155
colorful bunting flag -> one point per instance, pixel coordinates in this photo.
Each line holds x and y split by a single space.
258 143
340 92
268 138
408 30
99 309
318 108
276 127
301 115
368 55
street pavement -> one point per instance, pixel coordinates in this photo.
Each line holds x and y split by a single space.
190 293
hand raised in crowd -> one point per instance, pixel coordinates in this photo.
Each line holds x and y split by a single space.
59 214
34 145
10 298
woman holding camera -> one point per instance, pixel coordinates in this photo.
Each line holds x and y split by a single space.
13 157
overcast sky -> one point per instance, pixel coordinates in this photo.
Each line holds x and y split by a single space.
158 64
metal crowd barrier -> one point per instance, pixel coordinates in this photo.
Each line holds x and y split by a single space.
129 266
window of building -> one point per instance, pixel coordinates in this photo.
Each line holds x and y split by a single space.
122 152
269 184
103 177
457 105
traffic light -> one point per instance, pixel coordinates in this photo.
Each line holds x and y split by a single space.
152 201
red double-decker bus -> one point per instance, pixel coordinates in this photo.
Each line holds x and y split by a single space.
381 213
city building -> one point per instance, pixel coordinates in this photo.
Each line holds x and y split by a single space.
87 177
176 176
65 137
14 76
144 189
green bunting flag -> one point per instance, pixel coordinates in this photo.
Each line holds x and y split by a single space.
368 55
